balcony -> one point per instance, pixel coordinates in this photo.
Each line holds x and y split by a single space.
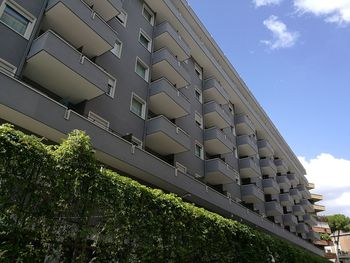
281 166
246 145
294 180
304 192
323 243
248 167
164 137
295 194
251 194
244 125
214 91
80 26
61 69
302 228
286 200
298 210
316 197
165 64
215 115
273 208
307 206
313 236
265 148
310 220
267 167
310 186
283 182
107 9
166 36
270 186
319 208
166 100
216 142
289 220
218 172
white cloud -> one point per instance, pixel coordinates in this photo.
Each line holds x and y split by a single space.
332 179
334 11
282 38
259 3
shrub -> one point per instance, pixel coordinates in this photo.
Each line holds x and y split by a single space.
57 204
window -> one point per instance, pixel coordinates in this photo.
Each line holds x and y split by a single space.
117 50
198 71
122 18
111 87
181 167
98 120
142 69
235 153
16 18
7 68
233 130
198 150
145 40
138 106
230 108
198 95
148 14
199 120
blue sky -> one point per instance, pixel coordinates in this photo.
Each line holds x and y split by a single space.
294 55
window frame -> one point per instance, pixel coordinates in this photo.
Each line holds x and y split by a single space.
143 105
198 123
146 78
122 22
199 71
231 108
111 92
197 90
201 150
119 54
21 11
149 10
144 34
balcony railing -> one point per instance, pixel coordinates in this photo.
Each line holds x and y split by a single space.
244 125
166 138
270 186
165 99
218 172
107 9
166 36
216 142
165 64
249 168
60 68
246 145
215 115
265 148
214 91
77 23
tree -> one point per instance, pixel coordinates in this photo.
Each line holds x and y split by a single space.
338 223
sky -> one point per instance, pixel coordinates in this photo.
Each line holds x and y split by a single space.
294 55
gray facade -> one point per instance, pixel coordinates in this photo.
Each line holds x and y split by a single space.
143 80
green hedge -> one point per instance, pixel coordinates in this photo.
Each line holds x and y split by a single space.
57 204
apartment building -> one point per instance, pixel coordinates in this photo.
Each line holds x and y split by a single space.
343 252
160 101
